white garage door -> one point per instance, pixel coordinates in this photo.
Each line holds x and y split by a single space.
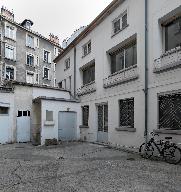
5 125
23 126
67 126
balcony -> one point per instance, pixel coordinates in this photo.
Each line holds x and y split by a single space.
122 76
86 89
169 60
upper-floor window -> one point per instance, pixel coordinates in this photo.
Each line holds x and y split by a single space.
86 48
10 52
30 59
10 73
56 51
30 77
10 32
173 34
89 74
47 56
46 74
30 41
124 58
120 23
67 64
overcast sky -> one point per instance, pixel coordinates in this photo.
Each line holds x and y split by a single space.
60 17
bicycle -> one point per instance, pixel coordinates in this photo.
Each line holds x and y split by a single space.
168 150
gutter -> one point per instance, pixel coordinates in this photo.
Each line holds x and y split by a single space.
74 72
146 72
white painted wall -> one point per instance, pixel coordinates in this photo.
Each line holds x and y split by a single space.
102 41
50 132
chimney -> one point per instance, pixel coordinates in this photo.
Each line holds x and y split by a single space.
7 13
54 38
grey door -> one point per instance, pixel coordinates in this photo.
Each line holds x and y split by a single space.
102 112
67 123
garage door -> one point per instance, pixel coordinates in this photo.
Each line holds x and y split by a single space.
67 126
23 126
5 124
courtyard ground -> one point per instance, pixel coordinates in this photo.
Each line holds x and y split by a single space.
82 167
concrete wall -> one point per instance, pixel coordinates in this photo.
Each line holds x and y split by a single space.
51 132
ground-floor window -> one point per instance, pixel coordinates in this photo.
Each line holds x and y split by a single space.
85 115
170 111
4 110
126 111
103 118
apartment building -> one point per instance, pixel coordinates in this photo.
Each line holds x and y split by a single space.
124 68
26 56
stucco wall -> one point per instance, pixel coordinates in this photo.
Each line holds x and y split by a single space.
50 132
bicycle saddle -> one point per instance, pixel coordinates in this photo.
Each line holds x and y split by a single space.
168 138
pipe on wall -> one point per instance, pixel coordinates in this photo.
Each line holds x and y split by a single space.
74 72
146 71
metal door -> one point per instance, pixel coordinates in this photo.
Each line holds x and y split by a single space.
67 126
23 126
102 111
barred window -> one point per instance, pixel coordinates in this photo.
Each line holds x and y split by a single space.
85 115
170 111
127 113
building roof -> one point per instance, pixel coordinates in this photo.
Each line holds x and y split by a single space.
100 18
30 31
38 99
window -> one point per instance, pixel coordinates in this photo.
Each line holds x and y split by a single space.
123 58
49 115
89 74
120 23
30 41
56 51
126 108
86 48
46 73
10 32
103 118
85 115
60 84
170 111
173 34
10 52
4 110
47 56
30 59
10 74
67 64
30 77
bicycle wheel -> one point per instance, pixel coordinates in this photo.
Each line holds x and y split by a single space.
146 151
172 154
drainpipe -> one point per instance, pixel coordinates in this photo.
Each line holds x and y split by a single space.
146 71
74 72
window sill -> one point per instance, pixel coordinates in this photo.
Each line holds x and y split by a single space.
10 59
168 131
119 31
67 69
10 38
49 123
30 47
128 129
85 85
46 79
83 127
86 54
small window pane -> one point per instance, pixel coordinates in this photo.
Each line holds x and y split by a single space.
4 110
20 113
124 21
24 113
49 115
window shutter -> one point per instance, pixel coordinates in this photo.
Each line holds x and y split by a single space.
14 53
6 31
37 60
14 34
36 42
26 39
6 51
49 58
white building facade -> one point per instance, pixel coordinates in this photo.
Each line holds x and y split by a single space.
106 63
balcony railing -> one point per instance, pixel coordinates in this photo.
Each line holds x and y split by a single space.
123 76
168 60
86 89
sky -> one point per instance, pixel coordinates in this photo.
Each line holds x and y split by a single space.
60 17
